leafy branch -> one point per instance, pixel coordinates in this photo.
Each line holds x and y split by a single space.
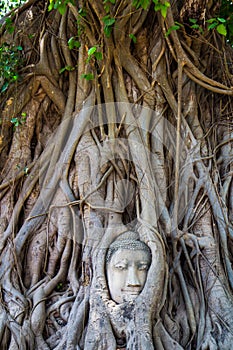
59 5
219 24
213 23
159 5
107 5
10 61
17 121
7 6
92 52
108 25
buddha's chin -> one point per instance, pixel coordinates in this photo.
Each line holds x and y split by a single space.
129 296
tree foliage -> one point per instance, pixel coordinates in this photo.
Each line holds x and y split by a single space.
120 118
7 6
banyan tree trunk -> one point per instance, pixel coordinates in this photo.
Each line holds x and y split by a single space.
120 120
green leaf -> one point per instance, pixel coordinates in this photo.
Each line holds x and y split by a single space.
82 12
164 11
60 5
91 50
15 121
15 77
62 70
66 68
222 20
10 29
107 31
195 26
175 27
145 4
157 7
212 25
211 20
5 86
61 8
98 56
59 286
135 3
193 20
51 5
111 1
221 29
73 43
133 37
88 76
141 3
107 8
108 21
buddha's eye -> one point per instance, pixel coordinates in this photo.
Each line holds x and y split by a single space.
121 267
143 267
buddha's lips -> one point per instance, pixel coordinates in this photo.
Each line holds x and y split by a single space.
130 291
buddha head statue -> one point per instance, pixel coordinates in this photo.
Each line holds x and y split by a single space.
127 262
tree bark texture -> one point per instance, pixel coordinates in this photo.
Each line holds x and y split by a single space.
127 127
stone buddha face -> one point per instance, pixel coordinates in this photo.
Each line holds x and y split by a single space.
127 262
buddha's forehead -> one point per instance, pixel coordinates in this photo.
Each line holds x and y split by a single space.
138 255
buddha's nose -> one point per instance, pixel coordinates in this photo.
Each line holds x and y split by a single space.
132 278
